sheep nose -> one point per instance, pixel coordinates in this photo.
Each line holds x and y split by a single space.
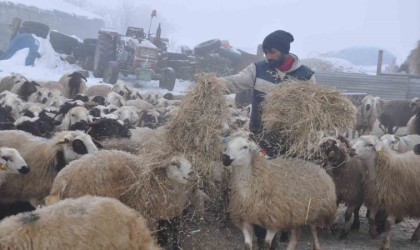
367 107
126 121
226 160
24 170
121 93
44 100
352 152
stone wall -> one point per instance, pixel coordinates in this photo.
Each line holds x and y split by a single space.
81 27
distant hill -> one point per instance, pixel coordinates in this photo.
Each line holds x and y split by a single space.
361 56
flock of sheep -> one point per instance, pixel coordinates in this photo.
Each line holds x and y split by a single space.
81 156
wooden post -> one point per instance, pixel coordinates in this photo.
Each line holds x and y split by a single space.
379 66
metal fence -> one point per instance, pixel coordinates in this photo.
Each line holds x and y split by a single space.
387 86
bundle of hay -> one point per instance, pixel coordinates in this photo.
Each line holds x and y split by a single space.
196 129
303 112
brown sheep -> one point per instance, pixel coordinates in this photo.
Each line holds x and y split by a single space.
88 222
395 113
277 194
392 183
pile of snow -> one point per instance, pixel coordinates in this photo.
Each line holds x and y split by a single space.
55 5
51 66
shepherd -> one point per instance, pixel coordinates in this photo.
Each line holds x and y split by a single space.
262 76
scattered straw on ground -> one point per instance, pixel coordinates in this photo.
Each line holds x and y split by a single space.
302 112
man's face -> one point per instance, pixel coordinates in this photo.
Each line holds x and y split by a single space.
274 57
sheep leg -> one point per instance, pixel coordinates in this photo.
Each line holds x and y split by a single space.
356 220
372 226
268 239
294 238
315 241
347 217
396 129
248 231
390 221
416 234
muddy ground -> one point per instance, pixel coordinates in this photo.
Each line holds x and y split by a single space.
209 236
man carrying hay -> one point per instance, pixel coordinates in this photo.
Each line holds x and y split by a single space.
262 76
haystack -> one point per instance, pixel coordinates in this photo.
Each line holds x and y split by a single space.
196 129
302 112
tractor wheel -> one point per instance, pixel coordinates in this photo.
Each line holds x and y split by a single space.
168 78
111 72
206 47
36 28
62 43
104 53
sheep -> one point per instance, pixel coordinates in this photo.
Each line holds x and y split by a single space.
11 162
114 99
366 116
277 194
129 115
413 125
395 113
8 82
88 222
400 144
6 114
98 90
392 183
348 175
41 96
46 157
151 118
140 104
74 115
108 128
9 99
57 87
74 83
120 88
159 191
25 89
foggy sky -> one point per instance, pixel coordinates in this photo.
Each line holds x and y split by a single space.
317 25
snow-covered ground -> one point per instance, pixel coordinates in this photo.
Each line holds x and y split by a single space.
51 66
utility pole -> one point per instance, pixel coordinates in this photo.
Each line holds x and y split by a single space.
150 25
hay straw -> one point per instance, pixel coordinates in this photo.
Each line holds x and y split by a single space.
302 112
196 129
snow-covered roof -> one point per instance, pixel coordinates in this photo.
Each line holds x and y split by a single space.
54 5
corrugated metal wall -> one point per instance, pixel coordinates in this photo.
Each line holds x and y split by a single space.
385 86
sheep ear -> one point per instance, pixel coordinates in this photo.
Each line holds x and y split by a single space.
397 138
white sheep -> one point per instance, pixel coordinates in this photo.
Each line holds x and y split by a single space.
42 95
277 194
54 86
45 157
400 144
140 104
120 88
129 115
74 83
76 114
88 222
12 100
413 125
159 190
8 82
114 99
392 184
11 162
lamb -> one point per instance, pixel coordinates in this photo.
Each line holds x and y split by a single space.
159 191
120 88
348 175
400 144
270 194
74 115
46 157
395 113
41 95
9 99
392 183
74 83
8 82
25 89
114 99
11 162
85 223
413 125
129 115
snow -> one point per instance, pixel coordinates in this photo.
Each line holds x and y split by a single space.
54 5
51 66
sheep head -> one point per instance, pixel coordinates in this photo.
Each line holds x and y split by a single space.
42 95
12 162
74 144
392 141
415 105
180 170
76 114
239 152
366 147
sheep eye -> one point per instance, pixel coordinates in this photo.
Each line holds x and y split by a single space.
369 145
245 147
5 158
39 93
